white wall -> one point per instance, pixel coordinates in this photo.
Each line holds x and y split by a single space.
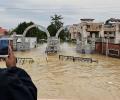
32 40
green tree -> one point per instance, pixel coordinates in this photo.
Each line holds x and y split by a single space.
52 30
33 32
56 24
56 20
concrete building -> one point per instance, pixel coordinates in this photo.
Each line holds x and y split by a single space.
30 42
88 27
98 33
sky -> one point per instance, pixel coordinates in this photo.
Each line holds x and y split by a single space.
13 12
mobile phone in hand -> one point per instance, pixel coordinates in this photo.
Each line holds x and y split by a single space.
4 46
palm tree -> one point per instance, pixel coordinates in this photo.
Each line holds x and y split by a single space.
56 21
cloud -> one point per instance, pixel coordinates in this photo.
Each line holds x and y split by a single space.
80 3
2 10
40 11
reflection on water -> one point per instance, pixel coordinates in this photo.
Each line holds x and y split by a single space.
73 80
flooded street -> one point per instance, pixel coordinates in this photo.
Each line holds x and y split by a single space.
57 79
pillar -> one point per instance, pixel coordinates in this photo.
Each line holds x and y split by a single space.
117 34
84 35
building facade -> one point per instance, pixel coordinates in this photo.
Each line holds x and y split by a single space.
27 44
88 27
104 34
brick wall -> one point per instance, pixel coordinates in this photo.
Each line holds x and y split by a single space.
98 47
102 46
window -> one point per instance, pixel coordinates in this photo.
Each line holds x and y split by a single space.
88 26
114 52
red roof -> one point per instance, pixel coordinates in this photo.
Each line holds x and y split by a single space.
3 31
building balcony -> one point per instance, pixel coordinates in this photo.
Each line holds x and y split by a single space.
109 35
104 40
109 29
93 29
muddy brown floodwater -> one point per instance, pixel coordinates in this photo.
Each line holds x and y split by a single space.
57 79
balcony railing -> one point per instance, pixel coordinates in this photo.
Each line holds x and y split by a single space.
109 29
109 35
109 40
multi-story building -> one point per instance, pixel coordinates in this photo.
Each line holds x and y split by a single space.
88 27
107 33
